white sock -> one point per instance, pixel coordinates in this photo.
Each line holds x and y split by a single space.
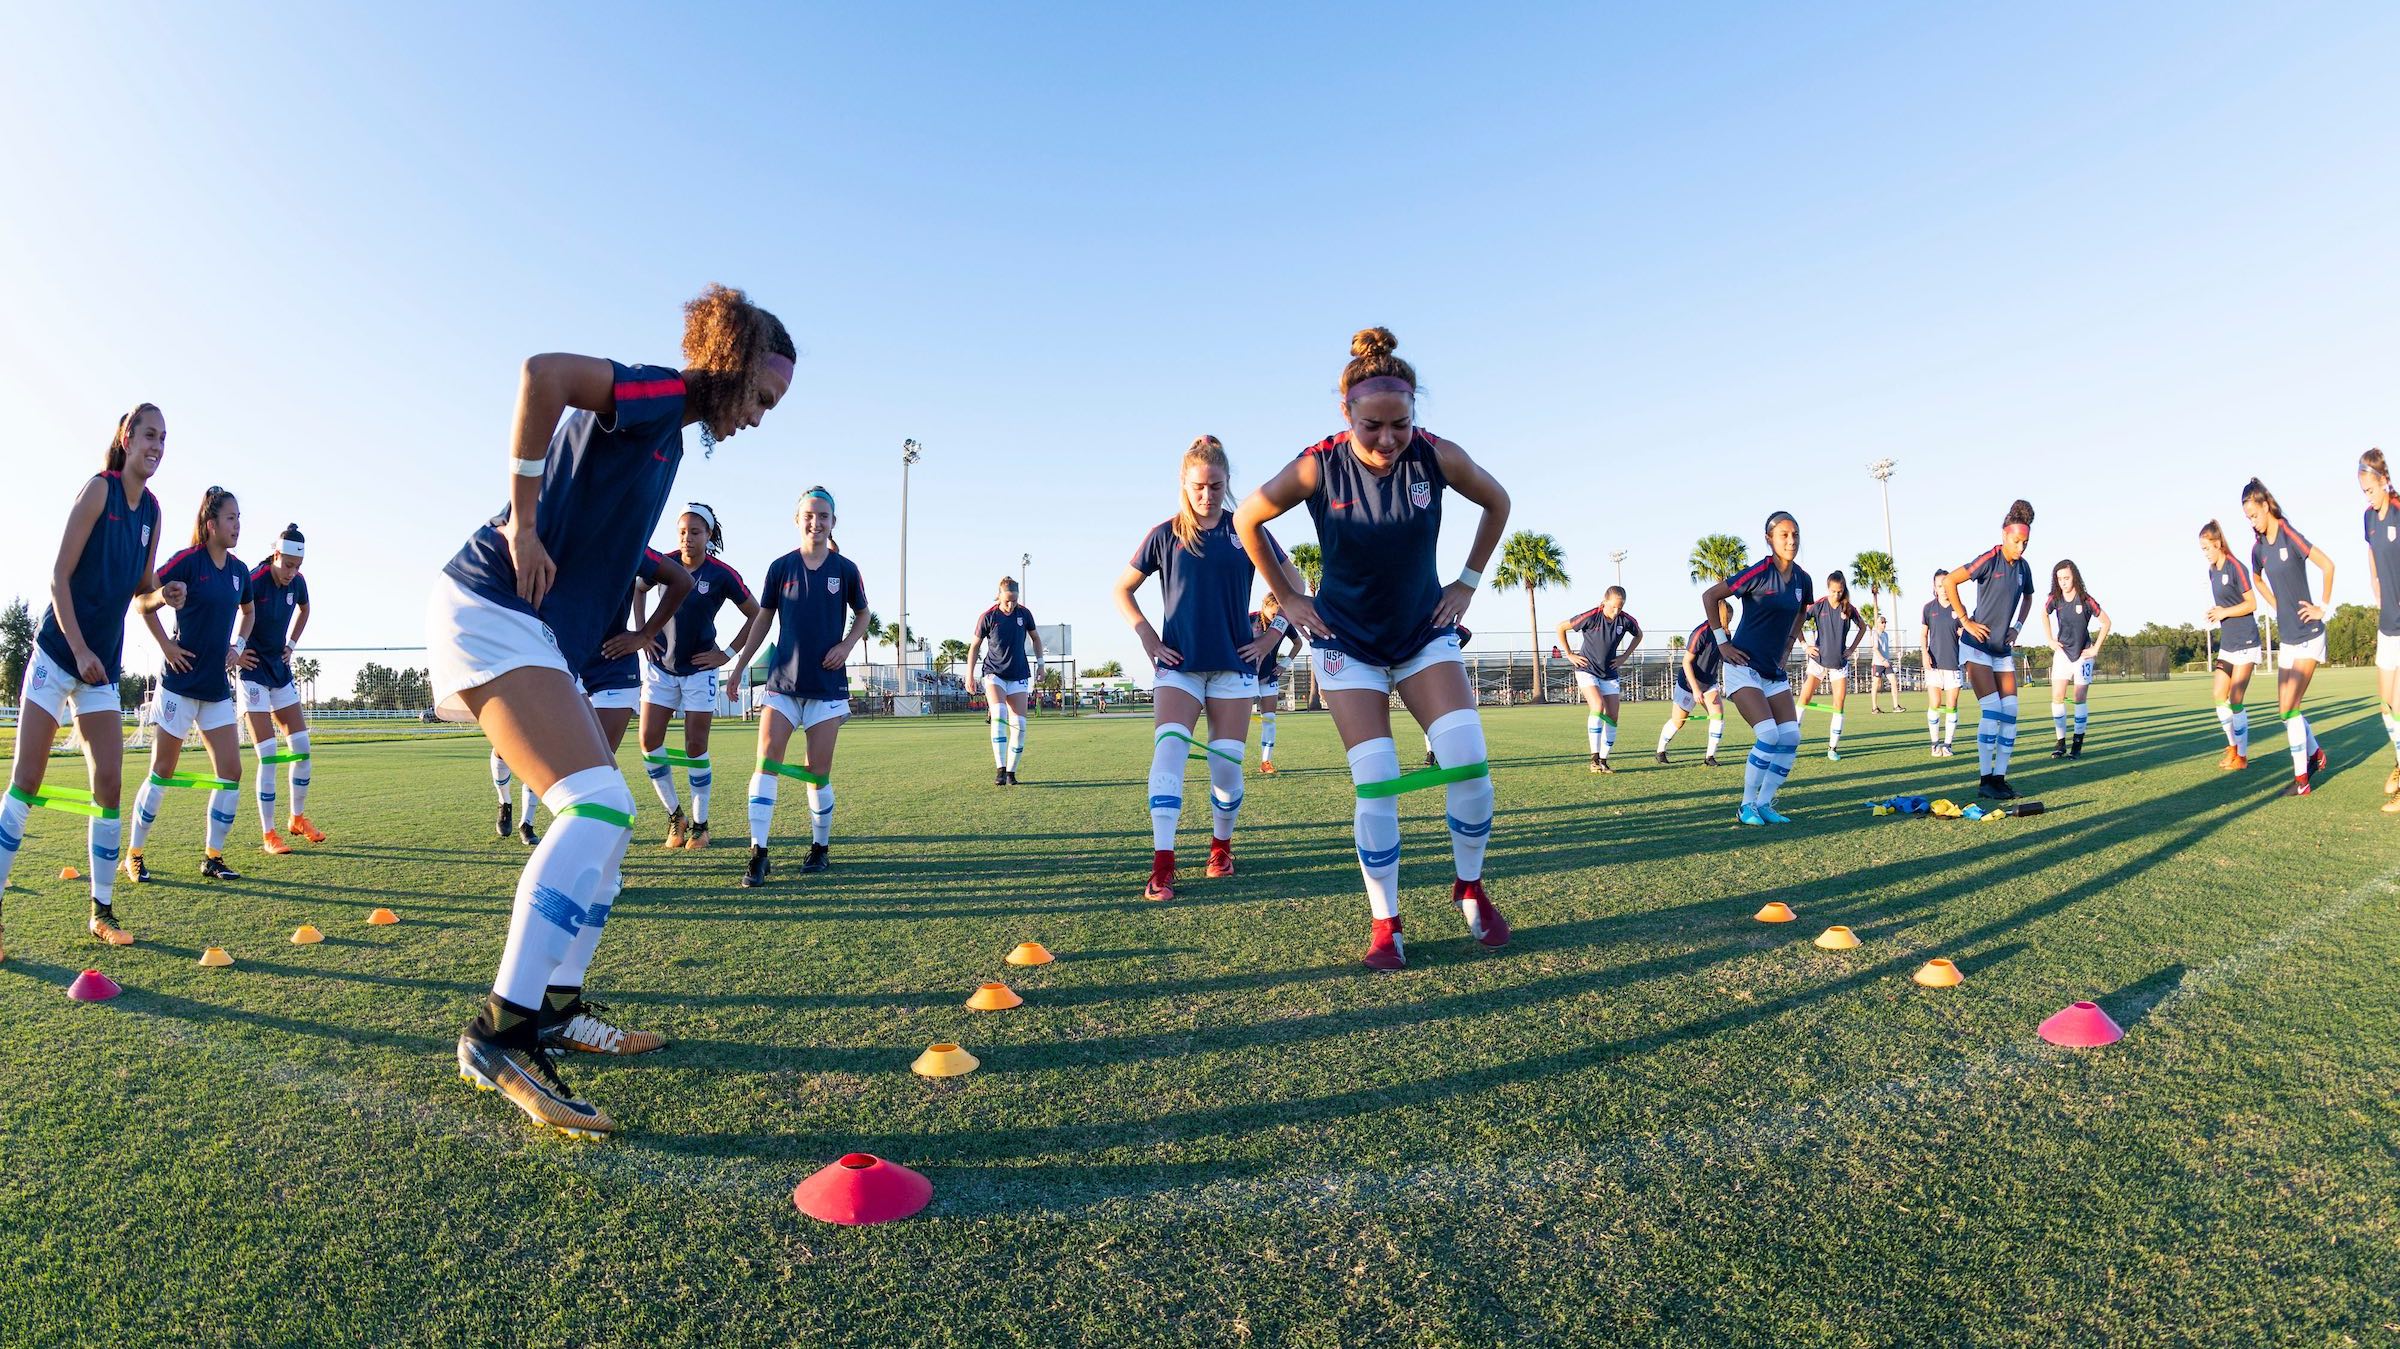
14 811
2083 717
2295 734
145 811
1016 739
662 785
2241 729
1224 785
1591 732
698 776
1764 740
1469 804
525 808
1987 734
1667 732
2058 719
1167 757
1376 826
1949 726
1787 753
1933 724
1608 739
101 842
578 960
1000 735
224 807
501 777
1833 731
2008 734
2391 727
764 787
820 814
265 791
1266 736
1716 735
562 881
300 773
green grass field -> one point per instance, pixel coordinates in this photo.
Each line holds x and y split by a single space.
1650 1118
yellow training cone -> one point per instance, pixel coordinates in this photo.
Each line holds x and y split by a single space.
215 957
69 874
994 997
1837 938
1777 912
1030 953
382 918
945 1060
307 936
1939 973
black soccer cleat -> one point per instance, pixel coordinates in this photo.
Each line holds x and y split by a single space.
1711 761
1012 777
2001 789
526 835
999 777
756 876
2075 750
1662 756
214 868
2060 750
508 820
1985 789
817 859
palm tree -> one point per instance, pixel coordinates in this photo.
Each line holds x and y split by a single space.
1536 562
1716 557
306 669
1873 569
1311 564
949 654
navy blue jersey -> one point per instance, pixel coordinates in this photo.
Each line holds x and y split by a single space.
1004 636
692 628
2227 583
272 608
2001 587
2383 545
812 610
2283 565
1207 592
1270 665
602 674
213 599
114 558
603 488
2073 619
1941 636
1707 661
1835 623
1603 638
1377 535
1771 607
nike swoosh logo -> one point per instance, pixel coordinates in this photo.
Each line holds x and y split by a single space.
1337 505
659 455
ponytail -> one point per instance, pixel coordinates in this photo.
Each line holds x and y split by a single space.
211 501
124 435
1206 450
2254 490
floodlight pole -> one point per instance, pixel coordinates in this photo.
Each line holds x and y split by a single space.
910 451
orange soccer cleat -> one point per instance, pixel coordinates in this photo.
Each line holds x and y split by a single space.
272 844
300 825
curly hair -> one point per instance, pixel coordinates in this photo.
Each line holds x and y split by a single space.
2020 512
724 338
1371 356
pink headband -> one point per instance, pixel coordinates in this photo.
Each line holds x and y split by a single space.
2020 531
777 363
1380 384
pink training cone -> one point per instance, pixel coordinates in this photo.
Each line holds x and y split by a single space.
862 1188
93 986
2081 1025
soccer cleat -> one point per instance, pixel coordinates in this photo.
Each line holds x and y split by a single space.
300 825
1267 766
2234 762
675 824
1596 764
2059 751
2391 784
1012 777
2001 789
1161 885
1429 763
1384 951
104 926
1600 764
2391 805
526 1076
2075 749
136 870
578 1026
272 844
2317 761
1711 761
1985 789
1833 754
1662 756
756 876
1483 920
508 819
696 836
1220 857
1749 815
819 857
2299 787
1773 816
999 777
213 867
526 836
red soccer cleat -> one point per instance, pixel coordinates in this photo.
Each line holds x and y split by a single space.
1385 952
1162 876
2316 761
1220 857
2299 787
1483 920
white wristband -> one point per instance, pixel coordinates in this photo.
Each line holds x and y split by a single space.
1280 623
1470 578
1722 639
527 468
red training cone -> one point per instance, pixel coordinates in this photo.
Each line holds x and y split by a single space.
93 986
2081 1025
862 1188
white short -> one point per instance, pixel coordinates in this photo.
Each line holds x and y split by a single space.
1608 688
1338 671
259 698
1996 664
1836 674
804 712
1943 679
2064 672
1684 699
1270 688
615 700
2239 657
470 641
1214 684
1009 688
1739 677
179 715
2387 652
679 693
2312 649
54 690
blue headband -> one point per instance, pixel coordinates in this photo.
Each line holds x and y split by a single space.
820 492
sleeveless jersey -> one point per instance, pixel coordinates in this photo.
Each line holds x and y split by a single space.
114 558
1377 536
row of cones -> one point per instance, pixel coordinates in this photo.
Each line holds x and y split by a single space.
2079 1024
93 986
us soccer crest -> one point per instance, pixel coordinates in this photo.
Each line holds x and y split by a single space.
701 586
2391 532
1333 662
1420 494
833 585
2283 554
145 536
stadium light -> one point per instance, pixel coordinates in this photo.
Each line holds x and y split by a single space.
1618 557
910 452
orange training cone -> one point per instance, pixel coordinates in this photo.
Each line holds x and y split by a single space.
69 874
382 918
945 1060
1939 973
215 958
1777 912
994 997
93 986
307 936
1030 953
1837 938
2081 1025
862 1188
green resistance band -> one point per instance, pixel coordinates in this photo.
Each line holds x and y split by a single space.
1423 778
791 770
593 810
192 780
286 757
674 756
1201 746
69 800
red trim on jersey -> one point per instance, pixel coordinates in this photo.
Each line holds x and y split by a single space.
1580 619
1749 573
1327 445
1980 558
170 564
639 389
729 571
2240 571
2297 537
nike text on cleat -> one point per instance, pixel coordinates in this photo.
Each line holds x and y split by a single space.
1385 950
214 868
756 876
300 825
272 844
2299 787
508 820
695 837
1161 885
136 870
675 829
104 926
819 857
579 1027
526 1076
1220 857
1483 920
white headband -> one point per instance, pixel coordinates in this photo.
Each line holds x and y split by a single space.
707 516
288 547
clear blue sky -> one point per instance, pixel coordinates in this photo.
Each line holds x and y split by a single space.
1662 269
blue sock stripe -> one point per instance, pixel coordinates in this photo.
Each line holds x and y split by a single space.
1222 804
147 817
1166 803
2004 718
762 800
226 818
10 842
1459 826
1759 759
1778 769
826 811
1374 860
558 909
700 780
596 916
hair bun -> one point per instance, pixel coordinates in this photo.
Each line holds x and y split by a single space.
1374 342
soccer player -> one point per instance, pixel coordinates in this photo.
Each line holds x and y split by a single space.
1937 646
2078 625
1269 618
270 696
1880 669
1383 622
1697 686
2383 571
997 655
1605 631
2279 558
104 564
817 597
613 679
1776 595
684 678
1205 659
508 822
1988 637
1839 631
2239 645
524 606
211 641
